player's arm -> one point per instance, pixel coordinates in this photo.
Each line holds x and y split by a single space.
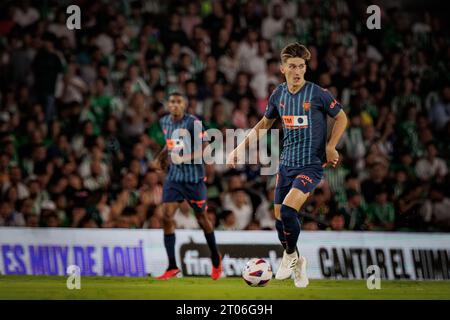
333 109
338 129
160 161
254 135
191 157
270 115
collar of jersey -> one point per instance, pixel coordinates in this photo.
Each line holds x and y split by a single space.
294 94
184 117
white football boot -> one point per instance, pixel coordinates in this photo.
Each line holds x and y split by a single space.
300 276
287 265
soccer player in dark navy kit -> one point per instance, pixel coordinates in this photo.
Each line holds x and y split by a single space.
302 107
184 180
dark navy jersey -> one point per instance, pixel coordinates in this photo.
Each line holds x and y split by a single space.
304 118
174 134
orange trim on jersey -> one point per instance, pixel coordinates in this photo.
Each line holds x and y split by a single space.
170 144
199 203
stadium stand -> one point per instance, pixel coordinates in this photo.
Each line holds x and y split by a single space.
79 110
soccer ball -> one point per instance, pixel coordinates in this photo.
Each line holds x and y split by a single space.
257 272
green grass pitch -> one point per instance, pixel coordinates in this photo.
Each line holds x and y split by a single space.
105 288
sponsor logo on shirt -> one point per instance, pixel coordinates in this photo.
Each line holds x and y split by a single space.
295 122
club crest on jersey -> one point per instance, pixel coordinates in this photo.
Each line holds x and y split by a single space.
295 122
306 105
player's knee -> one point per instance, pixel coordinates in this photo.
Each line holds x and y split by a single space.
167 219
288 215
203 221
200 218
295 199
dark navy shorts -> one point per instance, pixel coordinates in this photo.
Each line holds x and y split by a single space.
193 192
304 178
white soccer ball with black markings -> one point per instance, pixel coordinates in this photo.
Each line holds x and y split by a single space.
257 272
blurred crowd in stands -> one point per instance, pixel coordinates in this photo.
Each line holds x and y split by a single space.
79 109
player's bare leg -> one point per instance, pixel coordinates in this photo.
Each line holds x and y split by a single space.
169 239
208 230
204 222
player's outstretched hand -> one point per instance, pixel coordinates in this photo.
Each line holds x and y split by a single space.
332 156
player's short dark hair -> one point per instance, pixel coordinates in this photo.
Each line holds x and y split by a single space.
176 94
295 50
179 94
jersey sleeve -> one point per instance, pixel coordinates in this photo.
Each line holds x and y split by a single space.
329 103
196 127
271 109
